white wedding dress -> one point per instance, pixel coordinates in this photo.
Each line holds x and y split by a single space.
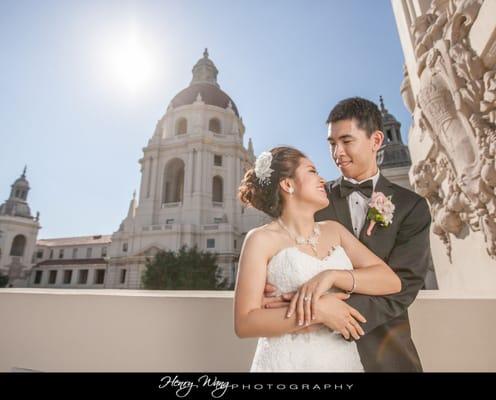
317 351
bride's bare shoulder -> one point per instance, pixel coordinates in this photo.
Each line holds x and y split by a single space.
262 242
330 224
331 230
264 234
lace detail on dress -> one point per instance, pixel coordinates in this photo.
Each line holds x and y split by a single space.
321 350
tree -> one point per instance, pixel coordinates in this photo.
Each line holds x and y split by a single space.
188 269
3 280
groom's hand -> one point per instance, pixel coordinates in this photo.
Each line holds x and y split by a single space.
270 300
339 316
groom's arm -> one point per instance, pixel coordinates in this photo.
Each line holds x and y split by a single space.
409 259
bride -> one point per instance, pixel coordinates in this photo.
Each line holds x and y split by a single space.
319 261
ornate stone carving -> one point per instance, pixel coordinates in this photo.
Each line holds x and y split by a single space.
406 91
456 106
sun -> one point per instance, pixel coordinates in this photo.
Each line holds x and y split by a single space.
129 64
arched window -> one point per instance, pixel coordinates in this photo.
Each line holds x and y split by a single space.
181 126
173 183
18 246
217 189
398 135
214 125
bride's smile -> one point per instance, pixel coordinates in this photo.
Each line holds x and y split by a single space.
309 190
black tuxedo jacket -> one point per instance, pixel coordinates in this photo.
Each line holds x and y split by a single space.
404 245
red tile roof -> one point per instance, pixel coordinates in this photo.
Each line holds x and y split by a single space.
75 241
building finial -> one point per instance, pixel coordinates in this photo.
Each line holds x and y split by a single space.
383 109
250 147
205 71
24 171
132 207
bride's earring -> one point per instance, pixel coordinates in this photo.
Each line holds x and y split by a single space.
291 190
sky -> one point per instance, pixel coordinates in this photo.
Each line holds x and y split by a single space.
83 84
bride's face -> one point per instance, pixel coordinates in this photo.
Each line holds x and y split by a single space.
309 185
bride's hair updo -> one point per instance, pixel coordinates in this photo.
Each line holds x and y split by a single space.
264 194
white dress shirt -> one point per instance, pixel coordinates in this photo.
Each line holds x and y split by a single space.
358 204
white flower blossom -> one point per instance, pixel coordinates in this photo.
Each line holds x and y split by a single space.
262 167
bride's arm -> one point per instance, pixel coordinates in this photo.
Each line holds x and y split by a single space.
372 275
250 319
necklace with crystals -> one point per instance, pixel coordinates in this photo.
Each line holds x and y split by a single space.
313 240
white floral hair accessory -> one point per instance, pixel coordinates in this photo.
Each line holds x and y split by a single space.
262 167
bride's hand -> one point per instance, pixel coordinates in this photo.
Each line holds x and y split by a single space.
303 302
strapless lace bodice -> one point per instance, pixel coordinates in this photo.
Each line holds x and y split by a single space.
322 350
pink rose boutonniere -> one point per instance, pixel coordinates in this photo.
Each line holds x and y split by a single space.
381 209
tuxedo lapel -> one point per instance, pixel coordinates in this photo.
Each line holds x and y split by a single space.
384 186
340 205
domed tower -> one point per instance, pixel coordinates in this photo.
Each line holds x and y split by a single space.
190 173
393 157
18 232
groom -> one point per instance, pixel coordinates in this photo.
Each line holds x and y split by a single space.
354 136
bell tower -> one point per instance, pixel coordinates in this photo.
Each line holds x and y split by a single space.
393 157
18 233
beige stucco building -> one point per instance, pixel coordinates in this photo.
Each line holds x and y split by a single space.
190 171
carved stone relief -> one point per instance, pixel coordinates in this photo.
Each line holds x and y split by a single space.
456 107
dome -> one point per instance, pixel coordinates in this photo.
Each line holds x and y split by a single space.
393 152
16 209
204 83
16 205
209 93
387 118
394 155
21 182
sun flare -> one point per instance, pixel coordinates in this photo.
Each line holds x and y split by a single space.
129 63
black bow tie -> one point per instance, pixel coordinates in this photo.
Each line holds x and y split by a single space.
347 187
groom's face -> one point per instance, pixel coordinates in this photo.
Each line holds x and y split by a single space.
353 151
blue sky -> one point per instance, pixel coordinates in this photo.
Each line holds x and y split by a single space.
80 125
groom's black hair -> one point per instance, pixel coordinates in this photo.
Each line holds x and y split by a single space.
363 111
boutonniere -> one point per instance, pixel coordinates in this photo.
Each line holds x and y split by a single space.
381 210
